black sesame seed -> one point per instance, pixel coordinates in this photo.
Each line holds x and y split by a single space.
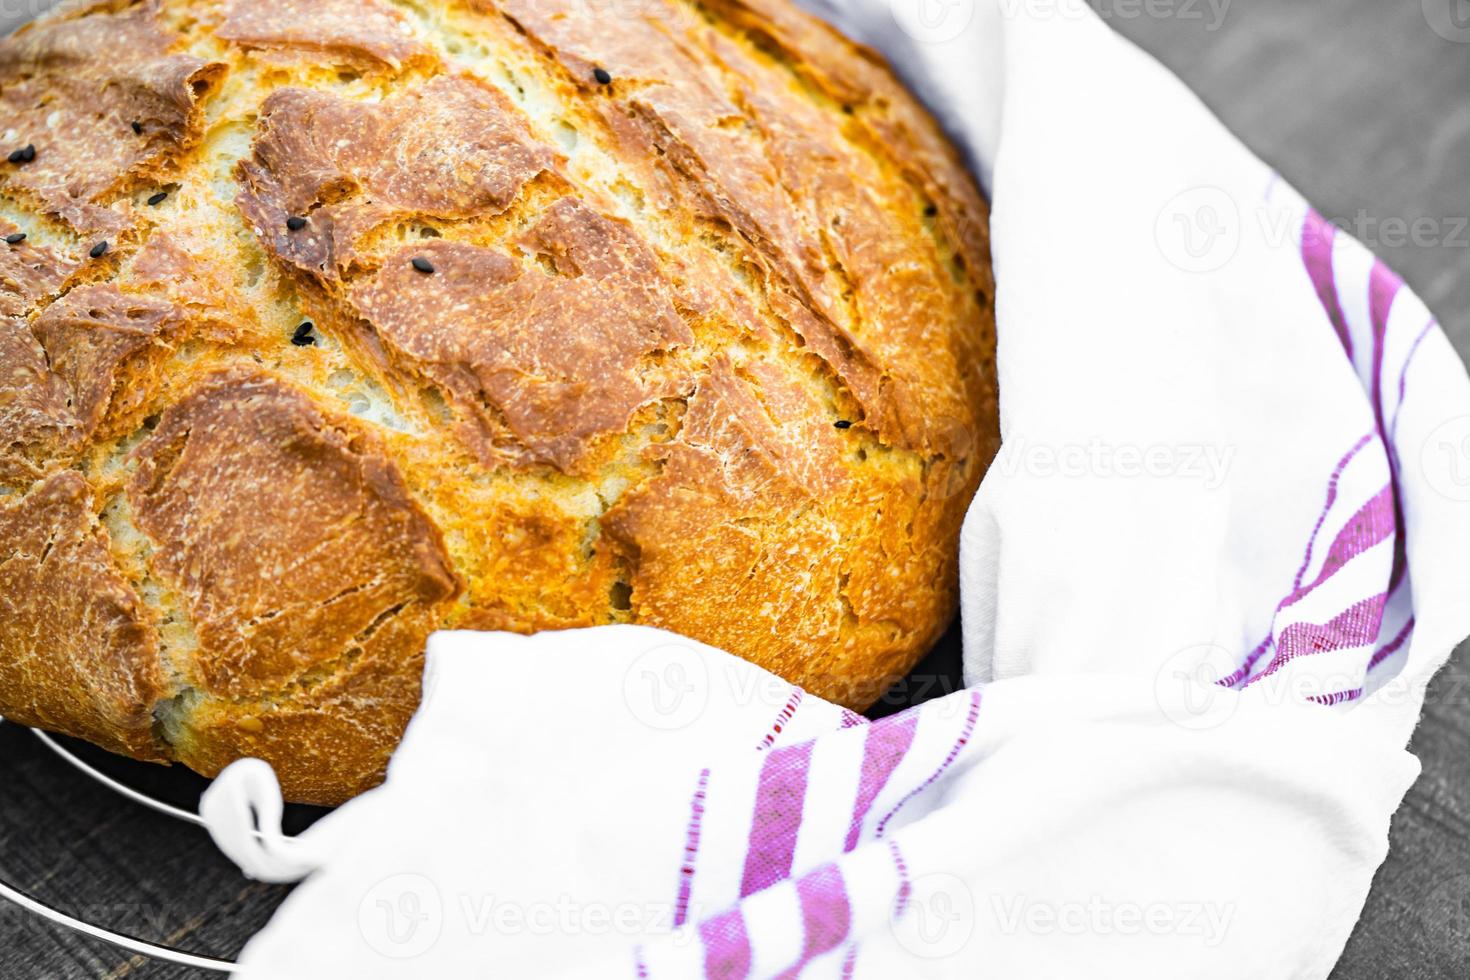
423 265
295 222
158 199
15 238
842 424
305 340
602 76
137 127
303 329
25 154
930 211
98 250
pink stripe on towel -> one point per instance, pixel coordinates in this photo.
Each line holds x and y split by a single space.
826 915
954 753
1318 239
691 850
1354 627
779 798
888 742
726 946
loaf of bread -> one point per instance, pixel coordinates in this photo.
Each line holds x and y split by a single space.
325 324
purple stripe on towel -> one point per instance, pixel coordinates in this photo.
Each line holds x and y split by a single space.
726 946
691 850
1354 627
1404 375
954 753
1230 680
1332 484
826 915
1383 289
782 719
1373 524
1336 697
1333 481
905 886
1392 646
779 798
1318 240
888 742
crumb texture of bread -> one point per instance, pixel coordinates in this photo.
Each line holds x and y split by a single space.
325 324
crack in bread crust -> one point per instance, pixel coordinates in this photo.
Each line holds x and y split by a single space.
713 334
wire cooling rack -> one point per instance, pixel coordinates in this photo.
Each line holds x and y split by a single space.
30 903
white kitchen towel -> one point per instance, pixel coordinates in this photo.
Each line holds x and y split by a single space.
1205 585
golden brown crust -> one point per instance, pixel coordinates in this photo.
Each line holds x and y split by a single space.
452 148
544 361
74 86
350 29
290 537
734 517
37 423
328 740
704 343
81 652
92 335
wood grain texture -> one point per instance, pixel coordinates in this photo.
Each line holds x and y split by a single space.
1358 103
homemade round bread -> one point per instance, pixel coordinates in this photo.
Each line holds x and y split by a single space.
328 323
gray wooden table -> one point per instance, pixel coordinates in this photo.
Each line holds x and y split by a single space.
1363 104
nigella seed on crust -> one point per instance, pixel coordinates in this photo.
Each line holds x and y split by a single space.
842 424
602 75
302 337
99 250
15 238
295 222
25 154
137 127
157 199
423 265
